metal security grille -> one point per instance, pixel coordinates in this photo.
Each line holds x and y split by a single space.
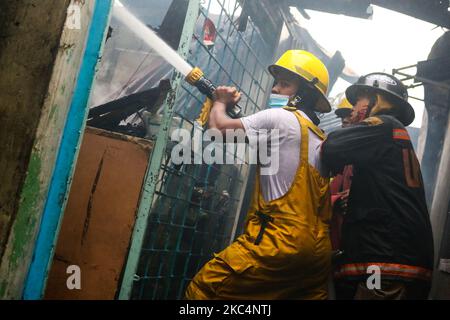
195 208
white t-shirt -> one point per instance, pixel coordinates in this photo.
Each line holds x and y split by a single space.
276 185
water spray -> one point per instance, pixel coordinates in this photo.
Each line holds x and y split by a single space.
193 76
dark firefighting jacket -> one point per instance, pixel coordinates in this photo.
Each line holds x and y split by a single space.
387 223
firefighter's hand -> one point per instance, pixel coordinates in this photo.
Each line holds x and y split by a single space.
227 95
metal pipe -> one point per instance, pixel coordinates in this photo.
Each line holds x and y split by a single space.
424 80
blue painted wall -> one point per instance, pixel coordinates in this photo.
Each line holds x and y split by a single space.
67 154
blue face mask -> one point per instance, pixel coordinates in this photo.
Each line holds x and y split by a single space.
278 101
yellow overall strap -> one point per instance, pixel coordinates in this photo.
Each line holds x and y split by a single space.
307 123
312 127
304 139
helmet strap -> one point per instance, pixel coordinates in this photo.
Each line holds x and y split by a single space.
295 101
305 104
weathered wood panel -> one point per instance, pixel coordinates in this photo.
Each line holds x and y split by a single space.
99 218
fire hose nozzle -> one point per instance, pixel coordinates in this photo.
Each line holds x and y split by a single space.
196 78
195 75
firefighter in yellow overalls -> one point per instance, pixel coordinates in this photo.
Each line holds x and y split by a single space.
285 251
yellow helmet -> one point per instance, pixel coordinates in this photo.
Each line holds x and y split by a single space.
308 67
344 108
